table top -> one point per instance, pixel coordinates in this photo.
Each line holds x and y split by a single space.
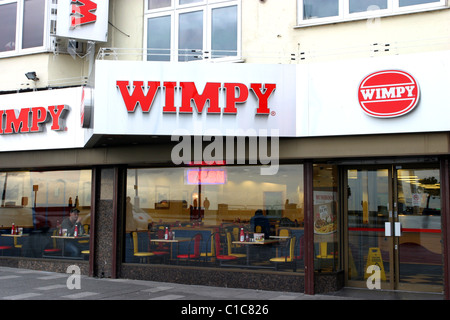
171 240
256 242
15 235
71 237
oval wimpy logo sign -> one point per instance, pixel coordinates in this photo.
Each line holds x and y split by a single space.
388 93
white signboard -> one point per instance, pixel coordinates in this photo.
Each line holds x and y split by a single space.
41 120
153 98
83 20
329 95
387 95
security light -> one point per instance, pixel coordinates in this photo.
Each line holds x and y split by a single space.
31 76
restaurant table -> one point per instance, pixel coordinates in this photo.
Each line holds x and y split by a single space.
65 238
171 242
249 244
15 235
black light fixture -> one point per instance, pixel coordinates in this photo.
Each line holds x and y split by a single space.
31 76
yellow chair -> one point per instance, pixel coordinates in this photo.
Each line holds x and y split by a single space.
85 254
323 251
211 253
230 253
288 258
16 245
284 232
235 235
143 256
324 255
86 229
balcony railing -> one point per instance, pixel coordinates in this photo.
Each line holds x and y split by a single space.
295 53
181 55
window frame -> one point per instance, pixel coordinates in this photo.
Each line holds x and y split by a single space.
393 8
207 6
18 50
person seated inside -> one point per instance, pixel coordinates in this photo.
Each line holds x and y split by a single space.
259 219
73 248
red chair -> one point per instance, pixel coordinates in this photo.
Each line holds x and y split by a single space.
54 250
222 254
3 248
161 251
195 242
162 246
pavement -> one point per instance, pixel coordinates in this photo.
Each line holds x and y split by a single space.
23 284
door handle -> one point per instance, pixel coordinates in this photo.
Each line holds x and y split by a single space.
398 229
387 229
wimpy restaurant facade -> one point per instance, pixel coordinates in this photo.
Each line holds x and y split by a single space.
348 163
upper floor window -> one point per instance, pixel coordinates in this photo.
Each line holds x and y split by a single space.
22 25
316 12
189 30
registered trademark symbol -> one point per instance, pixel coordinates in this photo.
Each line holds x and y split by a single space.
273 113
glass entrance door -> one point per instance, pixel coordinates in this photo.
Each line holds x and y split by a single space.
393 228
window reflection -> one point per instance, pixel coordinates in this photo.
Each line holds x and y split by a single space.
204 211
33 24
190 39
38 205
403 3
191 29
224 32
320 9
158 38
366 5
8 13
189 1
156 4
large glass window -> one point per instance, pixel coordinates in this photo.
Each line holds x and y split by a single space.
190 35
224 32
158 38
45 213
192 29
33 24
22 25
224 216
311 11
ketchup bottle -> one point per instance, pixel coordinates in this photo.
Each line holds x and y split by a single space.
242 236
166 235
75 233
13 228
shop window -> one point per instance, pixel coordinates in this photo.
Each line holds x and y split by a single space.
206 209
326 218
312 12
34 211
23 26
192 30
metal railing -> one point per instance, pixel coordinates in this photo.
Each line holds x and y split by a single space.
295 54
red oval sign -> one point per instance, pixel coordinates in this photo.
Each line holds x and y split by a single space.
389 93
